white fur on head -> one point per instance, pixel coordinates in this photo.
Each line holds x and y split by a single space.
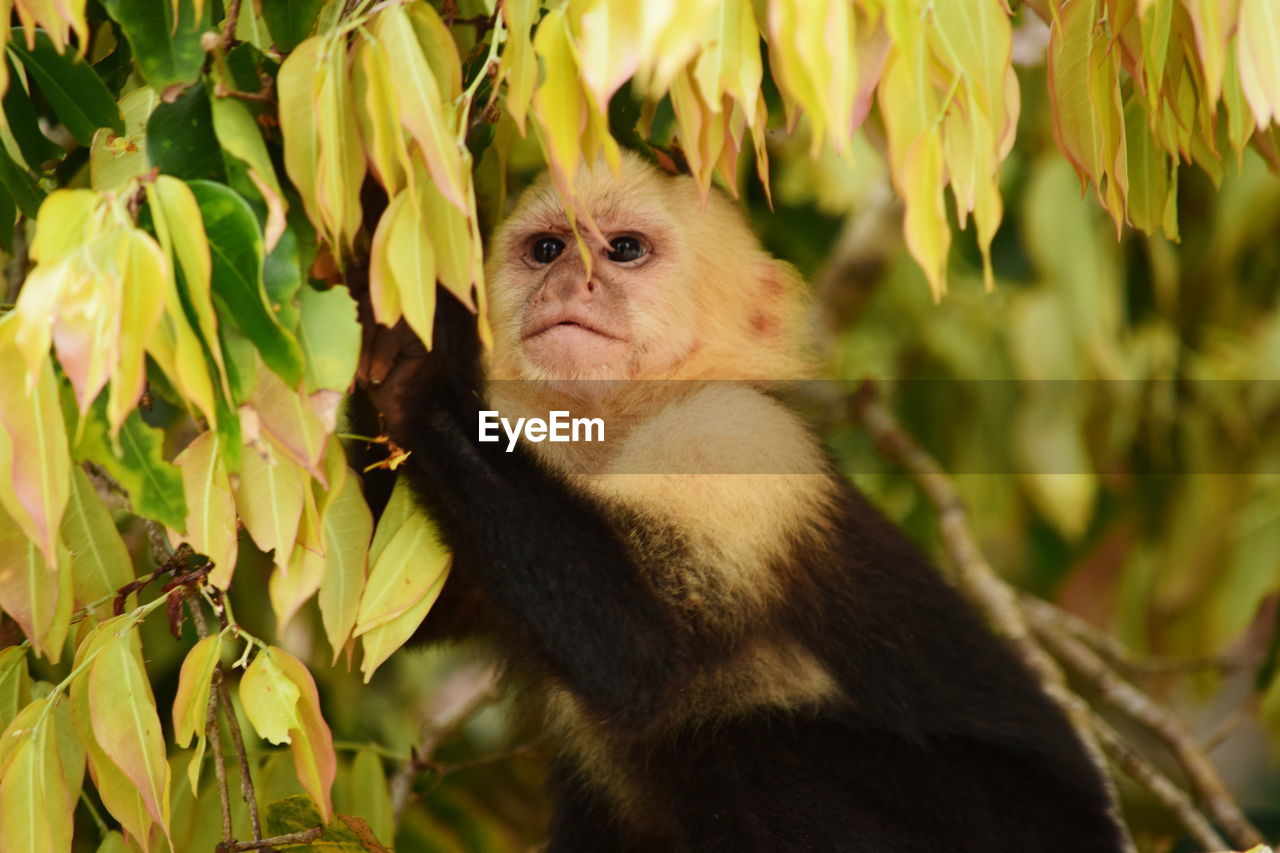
710 304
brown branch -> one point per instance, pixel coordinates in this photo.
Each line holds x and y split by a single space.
1138 706
237 741
1120 658
301 837
979 581
1170 795
19 264
465 693
229 28
219 695
212 732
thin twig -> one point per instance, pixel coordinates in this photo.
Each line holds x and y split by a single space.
1121 658
229 28
980 583
472 690
301 837
237 741
222 695
1140 707
19 264
211 730
1170 795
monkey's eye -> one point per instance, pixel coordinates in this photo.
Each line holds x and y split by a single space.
624 249
546 249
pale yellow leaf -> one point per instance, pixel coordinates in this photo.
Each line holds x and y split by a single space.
269 697
269 499
122 711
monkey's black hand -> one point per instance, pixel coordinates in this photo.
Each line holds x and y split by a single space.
406 382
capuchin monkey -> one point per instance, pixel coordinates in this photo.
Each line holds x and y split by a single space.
729 647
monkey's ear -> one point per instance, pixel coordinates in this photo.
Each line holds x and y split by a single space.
772 310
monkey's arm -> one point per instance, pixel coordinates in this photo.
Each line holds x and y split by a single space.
544 554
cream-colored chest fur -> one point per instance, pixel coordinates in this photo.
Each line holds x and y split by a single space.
737 482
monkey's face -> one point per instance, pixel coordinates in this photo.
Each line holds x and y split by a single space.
625 317
678 286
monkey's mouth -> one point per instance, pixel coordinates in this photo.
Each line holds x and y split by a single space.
568 323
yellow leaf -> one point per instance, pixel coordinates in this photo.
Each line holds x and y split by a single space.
438 47
559 106
379 643
179 343
63 223
238 133
412 258
195 679
1148 171
456 242
35 595
348 524
1213 22
384 291
340 157
378 115
421 107
122 711
269 499
1239 115
290 590
144 271
269 698
518 65
119 794
1258 58
99 561
114 160
286 417
35 464
296 85
413 559
312 747
211 511
34 793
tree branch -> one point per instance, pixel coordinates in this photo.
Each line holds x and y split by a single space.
1138 706
459 698
1012 617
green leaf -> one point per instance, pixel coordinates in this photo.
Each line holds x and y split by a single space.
137 463
15 683
330 337
235 247
290 21
166 52
20 185
37 149
122 711
181 140
282 276
118 793
100 562
345 834
79 97
32 794
370 796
